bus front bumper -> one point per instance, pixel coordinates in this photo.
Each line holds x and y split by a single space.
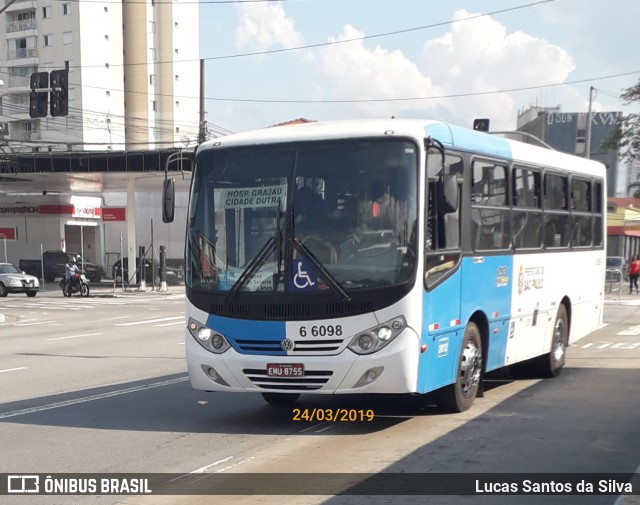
392 370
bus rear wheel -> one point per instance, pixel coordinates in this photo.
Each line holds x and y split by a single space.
280 398
551 364
460 395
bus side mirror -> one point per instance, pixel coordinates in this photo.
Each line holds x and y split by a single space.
168 200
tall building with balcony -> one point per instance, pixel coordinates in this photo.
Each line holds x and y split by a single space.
134 73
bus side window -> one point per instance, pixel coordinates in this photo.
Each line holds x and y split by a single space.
442 223
527 211
557 226
490 213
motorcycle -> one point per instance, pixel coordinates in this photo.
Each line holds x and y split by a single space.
77 284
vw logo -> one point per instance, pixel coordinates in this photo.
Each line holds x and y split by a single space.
287 344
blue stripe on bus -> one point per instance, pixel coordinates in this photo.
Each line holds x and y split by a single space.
251 337
469 140
486 288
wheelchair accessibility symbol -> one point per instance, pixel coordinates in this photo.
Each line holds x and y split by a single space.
303 277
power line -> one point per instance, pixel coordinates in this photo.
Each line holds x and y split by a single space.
372 100
379 35
435 97
320 44
193 124
171 2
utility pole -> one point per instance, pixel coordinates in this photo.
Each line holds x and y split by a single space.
587 141
202 132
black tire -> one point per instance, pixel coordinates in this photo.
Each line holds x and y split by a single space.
551 364
31 294
3 291
84 290
460 395
280 398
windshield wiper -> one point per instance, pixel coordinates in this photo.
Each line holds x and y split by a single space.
274 243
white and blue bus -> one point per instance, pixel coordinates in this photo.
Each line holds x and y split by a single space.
387 256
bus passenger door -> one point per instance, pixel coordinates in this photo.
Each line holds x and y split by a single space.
441 327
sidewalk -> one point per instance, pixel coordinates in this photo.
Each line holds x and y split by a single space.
107 289
622 297
104 289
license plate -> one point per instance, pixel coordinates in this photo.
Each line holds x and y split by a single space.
285 369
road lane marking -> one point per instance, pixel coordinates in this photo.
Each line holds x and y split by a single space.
103 320
13 369
207 467
204 474
148 321
75 336
36 323
170 324
629 346
91 398
314 426
631 330
224 469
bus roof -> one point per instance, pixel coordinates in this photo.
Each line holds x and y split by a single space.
451 136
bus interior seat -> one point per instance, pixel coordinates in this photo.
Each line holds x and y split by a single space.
549 234
321 249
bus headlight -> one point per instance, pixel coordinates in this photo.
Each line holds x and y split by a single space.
209 339
376 338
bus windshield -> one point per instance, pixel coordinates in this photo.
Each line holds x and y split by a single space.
305 217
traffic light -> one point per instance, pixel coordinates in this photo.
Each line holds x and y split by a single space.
481 125
59 92
38 100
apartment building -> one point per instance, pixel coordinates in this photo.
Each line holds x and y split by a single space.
134 73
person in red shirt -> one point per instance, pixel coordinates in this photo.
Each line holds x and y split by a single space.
634 272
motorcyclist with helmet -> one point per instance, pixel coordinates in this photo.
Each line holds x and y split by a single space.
71 273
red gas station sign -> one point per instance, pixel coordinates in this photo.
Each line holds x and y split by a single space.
8 233
114 213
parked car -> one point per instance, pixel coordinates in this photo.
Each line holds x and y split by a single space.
173 275
54 262
617 265
13 280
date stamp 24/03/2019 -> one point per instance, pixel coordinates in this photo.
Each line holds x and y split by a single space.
340 415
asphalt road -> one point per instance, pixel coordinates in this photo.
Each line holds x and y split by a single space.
98 385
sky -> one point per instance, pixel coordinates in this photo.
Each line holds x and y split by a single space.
268 62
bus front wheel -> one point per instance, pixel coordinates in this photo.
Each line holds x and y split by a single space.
280 398
460 395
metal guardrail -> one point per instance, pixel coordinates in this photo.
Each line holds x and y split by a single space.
610 273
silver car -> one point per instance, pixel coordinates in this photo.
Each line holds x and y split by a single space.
13 280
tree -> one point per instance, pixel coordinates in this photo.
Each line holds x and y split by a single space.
628 135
